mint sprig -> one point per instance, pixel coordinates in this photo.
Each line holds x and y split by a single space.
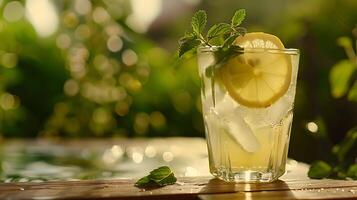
221 35
218 30
238 17
199 21
157 178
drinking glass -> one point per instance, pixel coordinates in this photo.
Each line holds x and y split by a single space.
246 143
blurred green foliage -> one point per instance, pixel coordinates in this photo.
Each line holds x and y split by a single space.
98 75
94 77
342 162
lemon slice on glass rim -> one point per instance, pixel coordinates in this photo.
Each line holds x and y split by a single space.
261 75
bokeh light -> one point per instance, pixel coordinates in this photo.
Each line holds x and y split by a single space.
167 156
100 15
43 16
141 123
143 14
114 43
9 60
157 120
312 127
7 101
150 151
71 87
82 7
13 11
129 57
63 41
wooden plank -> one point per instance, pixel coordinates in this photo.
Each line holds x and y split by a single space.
293 184
186 187
326 193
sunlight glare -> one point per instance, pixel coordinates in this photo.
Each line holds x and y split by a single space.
143 14
43 16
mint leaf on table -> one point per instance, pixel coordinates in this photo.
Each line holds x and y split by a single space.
158 177
163 176
319 170
238 17
199 21
143 181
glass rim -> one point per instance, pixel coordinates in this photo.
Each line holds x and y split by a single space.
292 51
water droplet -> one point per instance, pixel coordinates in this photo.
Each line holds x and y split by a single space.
180 183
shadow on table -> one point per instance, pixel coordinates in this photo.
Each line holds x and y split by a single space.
221 190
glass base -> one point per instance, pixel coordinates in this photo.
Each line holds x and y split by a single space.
246 176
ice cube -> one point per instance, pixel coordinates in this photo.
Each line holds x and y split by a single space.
278 111
225 105
207 99
205 60
233 123
241 132
255 117
261 117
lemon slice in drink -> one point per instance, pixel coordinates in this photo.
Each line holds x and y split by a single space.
259 76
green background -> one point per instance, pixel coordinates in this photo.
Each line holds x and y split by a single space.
50 87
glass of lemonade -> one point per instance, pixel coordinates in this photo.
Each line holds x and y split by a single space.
247 105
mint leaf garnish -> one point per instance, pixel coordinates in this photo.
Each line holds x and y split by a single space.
158 177
218 30
199 21
238 17
221 35
229 40
187 44
319 169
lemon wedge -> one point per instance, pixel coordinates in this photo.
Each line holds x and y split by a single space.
257 78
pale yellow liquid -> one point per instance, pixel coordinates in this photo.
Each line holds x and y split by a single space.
269 127
228 157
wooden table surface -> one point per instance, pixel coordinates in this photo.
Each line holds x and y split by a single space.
293 185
